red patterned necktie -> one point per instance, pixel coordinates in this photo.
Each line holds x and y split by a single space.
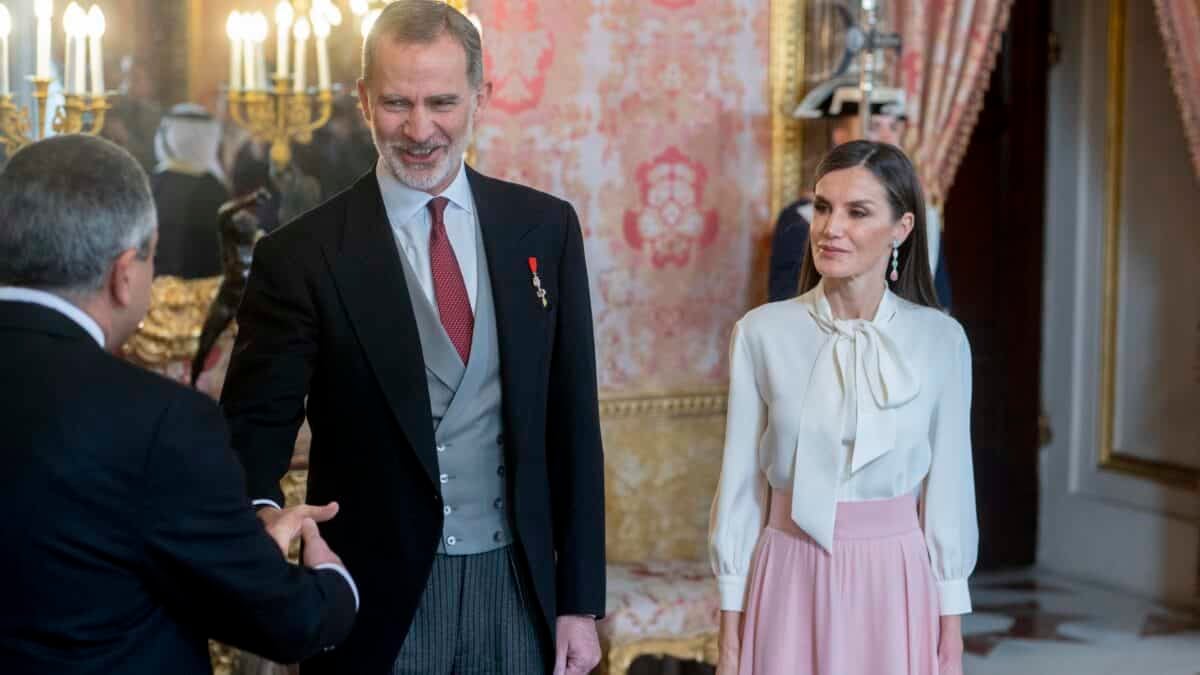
454 305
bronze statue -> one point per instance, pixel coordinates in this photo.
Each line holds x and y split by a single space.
239 228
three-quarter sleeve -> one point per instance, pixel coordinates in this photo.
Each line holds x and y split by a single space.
739 509
948 504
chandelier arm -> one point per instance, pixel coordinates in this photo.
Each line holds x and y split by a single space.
306 129
99 109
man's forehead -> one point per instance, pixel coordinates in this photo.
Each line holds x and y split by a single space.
443 51
405 65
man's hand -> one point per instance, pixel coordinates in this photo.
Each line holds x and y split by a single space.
285 525
578 649
316 551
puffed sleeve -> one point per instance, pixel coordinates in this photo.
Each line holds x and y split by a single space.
948 503
739 509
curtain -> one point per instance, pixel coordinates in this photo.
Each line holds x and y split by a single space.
950 48
1179 21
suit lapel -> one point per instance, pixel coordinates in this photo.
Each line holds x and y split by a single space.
370 280
520 338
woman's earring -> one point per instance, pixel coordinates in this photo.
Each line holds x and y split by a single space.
895 275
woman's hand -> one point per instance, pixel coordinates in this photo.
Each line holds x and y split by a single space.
729 643
950 646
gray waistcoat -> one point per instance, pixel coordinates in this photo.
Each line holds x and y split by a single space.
467 422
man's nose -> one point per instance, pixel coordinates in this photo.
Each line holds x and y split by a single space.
419 126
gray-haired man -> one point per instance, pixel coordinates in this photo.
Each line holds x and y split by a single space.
434 325
128 539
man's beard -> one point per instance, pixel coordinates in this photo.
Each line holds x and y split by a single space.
425 180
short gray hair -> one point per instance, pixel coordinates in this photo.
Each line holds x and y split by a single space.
422 22
69 205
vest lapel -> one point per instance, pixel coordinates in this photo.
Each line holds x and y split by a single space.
483 339
441 358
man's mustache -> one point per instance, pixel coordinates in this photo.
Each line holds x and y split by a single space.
427 146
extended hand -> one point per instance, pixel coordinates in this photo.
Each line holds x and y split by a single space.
316 551
578 649
285 525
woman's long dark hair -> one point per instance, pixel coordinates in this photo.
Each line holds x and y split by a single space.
895 172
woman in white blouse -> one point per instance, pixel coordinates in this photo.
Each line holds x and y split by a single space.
843 530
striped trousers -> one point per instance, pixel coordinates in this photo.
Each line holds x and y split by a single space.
477 616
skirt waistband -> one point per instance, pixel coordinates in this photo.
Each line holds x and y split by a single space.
870 519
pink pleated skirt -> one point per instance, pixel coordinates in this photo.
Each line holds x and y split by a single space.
870 608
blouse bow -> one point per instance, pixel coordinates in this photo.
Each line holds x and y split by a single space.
855 351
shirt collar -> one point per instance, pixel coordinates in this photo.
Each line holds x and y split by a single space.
403 202
54 302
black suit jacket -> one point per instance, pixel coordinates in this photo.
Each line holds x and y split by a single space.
128 540
327 315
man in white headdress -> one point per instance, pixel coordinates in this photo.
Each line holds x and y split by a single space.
189 187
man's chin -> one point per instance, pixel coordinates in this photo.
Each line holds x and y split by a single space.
420 177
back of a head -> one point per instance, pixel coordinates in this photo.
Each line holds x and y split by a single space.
69 205
424 21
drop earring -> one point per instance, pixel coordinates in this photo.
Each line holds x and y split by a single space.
895 275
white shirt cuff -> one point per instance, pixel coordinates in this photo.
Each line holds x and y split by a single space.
345 575
732 589
264 502
955 597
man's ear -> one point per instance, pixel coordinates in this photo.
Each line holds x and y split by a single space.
484 96
364 100
120 278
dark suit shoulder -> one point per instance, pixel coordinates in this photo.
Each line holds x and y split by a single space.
523 195
316 226
521 201
304 230
151 384
154 394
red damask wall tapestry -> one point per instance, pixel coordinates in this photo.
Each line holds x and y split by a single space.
651 117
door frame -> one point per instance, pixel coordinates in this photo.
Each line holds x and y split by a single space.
1106 517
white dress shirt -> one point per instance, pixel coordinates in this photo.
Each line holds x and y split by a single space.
408 213
52 301
900 425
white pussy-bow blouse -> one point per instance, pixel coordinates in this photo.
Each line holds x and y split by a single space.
847 410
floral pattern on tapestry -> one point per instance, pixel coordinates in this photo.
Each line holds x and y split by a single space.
651 119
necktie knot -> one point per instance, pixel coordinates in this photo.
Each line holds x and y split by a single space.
437 209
